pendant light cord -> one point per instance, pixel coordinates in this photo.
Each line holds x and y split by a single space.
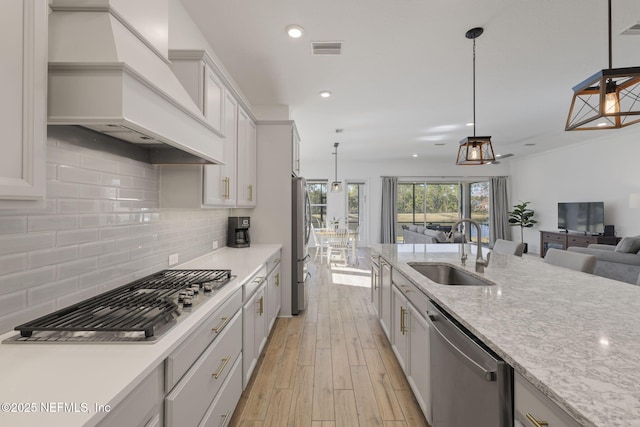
610 39
474 86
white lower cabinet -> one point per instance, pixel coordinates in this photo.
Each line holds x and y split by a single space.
221 410
385 297
188 402
375 284
410 339
140 407
201 367
274 279
531 406
254 331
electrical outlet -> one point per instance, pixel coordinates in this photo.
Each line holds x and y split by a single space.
214 245
173 259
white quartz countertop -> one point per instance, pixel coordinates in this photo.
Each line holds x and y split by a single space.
575 336
103 374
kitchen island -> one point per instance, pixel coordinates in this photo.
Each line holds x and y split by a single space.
574 336
73 384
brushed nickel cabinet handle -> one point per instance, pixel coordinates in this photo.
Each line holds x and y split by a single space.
221 325
402 320
261 304
277 280
251 192
535 422
217 374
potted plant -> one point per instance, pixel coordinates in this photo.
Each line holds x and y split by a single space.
522 217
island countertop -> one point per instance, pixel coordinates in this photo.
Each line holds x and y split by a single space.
574 336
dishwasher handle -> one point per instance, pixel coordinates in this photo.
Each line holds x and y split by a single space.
488 374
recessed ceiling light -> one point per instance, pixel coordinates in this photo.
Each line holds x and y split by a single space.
295 31
529 144
325 94
470 124
601 125
439 143
414 155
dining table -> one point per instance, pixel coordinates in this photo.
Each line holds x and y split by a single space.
325 234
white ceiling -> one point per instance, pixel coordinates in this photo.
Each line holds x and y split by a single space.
404 80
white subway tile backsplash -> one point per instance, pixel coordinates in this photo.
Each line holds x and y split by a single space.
13 224
115 180
81 176
52 222
88 239
26 279
13 302
13 263
51 291
76 268
52 256
74 237
96 248
17 243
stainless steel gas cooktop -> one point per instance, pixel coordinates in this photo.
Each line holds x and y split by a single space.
136 312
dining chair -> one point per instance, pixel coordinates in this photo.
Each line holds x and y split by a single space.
320 243
508 247
338 243
574 260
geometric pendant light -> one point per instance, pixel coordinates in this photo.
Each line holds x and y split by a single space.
475 150
336 186
610 99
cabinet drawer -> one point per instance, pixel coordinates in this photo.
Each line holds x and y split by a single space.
138 407
187 403
273 261
252 284
220 412
178 362
582 240
530 400
411 292
553 237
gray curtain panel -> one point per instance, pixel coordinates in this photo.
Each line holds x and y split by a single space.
389 209
498 214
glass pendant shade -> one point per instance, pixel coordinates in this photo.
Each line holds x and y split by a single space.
609 99
336 186
475 150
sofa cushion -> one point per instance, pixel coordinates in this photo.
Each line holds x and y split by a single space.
413 227
609 256
438 236
630 245
420 229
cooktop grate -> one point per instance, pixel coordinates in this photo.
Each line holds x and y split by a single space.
139 306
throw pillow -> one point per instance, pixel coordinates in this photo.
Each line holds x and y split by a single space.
629 245
441 237
413 227
420 229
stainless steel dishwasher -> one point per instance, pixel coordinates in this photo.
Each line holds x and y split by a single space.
470 385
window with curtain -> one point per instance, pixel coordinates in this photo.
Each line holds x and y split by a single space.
439 205
317 190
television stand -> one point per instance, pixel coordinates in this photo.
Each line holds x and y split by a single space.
562 240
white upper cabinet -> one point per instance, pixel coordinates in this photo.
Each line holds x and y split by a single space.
23 117
195 71
295 150
246 171
220 180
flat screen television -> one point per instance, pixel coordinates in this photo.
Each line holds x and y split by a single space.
584 217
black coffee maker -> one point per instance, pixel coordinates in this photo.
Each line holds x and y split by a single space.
238 232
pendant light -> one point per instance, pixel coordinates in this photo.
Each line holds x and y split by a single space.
336 186
475 150
609 99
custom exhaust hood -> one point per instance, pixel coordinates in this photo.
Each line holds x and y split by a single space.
106 75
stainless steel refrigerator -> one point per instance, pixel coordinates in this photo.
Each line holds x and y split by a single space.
301 230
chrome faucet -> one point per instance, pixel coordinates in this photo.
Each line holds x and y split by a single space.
481 263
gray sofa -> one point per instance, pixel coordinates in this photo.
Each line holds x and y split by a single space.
621 262
421 234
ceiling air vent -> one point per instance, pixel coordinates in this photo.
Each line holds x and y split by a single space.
633 30
326 48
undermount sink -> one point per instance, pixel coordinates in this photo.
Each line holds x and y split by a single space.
446 274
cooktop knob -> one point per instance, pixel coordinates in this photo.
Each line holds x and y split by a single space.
195 288
187 302
207 287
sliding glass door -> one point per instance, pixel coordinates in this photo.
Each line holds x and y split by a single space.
438 205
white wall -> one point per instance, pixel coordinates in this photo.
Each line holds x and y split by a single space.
605 169
371 173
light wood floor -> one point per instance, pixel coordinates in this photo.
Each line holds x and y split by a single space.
332 365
